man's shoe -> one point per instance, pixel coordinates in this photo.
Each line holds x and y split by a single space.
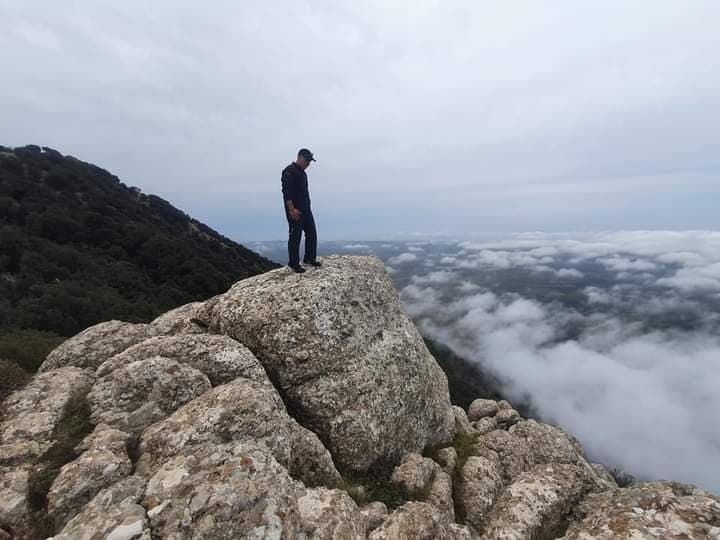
313 263
297 269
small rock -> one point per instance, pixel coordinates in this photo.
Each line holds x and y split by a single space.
447 458
462 424
486 425
327 514
507 417
375 514
418 521
504 404
180 320
481 408
414 475
480 485
441 494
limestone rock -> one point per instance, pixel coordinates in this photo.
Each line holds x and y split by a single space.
144 392
375 514
526 444
462 424
418 521
94 345
537 504
327 514
223 491
440 494
113 514
14 510
606 480
648 510
221 358
32 413
507 417
349 362
447 458
486 425
414 475
242 410
103 462
480 485
504 404
482 408
180 320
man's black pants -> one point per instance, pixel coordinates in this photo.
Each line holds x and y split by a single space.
307 224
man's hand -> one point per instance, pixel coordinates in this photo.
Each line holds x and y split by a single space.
295 214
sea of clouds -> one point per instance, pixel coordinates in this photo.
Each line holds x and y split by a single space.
642 399
613 336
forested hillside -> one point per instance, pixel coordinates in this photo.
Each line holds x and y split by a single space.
77 246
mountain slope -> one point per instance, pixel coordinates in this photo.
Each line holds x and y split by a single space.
77 246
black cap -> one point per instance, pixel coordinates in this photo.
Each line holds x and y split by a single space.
307 154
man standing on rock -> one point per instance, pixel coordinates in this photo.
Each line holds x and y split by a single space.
296 198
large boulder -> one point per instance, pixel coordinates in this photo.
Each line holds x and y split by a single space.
347 359
240 411
221 358
144 392
95 344
648 510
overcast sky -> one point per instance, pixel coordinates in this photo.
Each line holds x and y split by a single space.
450 117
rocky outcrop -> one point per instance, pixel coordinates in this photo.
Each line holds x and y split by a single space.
93 346
31 418
144 392
345 356
240 411
419 521
236 433
220 358
32 414
649 510
113 514
103 461
181 320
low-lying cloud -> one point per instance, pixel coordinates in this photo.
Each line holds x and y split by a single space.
630 364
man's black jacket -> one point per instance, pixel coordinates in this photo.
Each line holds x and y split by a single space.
295 187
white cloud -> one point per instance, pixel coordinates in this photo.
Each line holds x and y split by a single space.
569 272
357 247
403 258
645 402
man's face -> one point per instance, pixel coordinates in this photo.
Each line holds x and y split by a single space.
304 163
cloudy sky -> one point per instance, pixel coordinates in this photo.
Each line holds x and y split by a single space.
425 116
